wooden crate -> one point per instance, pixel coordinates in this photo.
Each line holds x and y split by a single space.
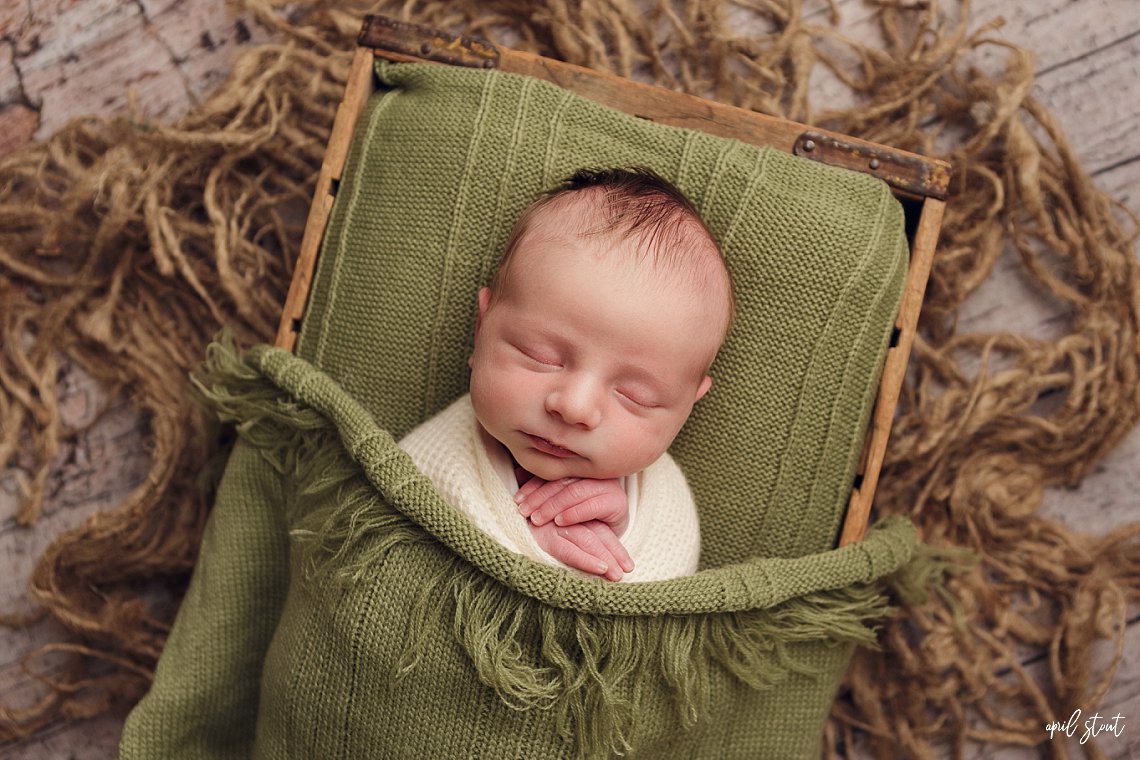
920 183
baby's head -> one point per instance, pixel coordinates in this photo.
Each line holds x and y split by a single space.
595 337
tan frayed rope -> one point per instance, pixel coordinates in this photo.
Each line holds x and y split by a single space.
124 246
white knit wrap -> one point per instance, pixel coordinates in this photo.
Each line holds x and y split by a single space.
477 478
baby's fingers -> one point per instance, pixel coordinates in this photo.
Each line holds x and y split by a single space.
611 508
605 507
528 488
592 539
613 545
579 559
563 545
536 492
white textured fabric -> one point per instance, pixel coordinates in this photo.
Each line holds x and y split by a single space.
472 475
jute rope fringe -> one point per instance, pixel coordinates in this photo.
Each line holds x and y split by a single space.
124 246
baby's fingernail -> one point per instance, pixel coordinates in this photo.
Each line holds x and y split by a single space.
519 498
559 520
627 566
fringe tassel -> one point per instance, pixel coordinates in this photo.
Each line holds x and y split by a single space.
927 571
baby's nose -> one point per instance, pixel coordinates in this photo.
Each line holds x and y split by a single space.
575 403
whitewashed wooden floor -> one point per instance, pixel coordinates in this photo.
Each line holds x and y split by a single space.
63 59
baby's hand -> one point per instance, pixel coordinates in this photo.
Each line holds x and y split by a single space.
577 521
591 547
571 501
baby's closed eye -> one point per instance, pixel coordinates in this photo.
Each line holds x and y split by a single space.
639 397
539 355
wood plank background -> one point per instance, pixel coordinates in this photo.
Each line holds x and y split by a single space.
64 59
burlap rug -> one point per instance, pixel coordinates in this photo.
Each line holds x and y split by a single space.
124 246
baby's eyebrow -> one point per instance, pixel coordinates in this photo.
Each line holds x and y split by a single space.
534 329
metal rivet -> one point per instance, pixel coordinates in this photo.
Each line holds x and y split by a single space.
425 48
809 145
874 163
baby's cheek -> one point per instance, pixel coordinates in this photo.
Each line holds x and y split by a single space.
483 400
497 394
639 448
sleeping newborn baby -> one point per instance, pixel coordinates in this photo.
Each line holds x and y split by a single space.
592 344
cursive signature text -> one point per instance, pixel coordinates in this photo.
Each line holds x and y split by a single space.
1093 726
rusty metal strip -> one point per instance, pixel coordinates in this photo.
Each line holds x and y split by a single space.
922 176
429 44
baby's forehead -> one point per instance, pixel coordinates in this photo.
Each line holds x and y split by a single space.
649 243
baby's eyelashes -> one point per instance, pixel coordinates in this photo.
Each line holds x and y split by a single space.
539 356
639 399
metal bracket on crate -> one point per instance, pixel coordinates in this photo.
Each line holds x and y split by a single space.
424 43
896 169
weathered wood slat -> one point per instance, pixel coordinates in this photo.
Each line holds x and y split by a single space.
907 172
1106 129
359 87
62 60
862 497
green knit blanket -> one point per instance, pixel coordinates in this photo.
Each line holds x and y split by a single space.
341 608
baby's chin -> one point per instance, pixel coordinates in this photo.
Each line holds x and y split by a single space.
547 471
553 468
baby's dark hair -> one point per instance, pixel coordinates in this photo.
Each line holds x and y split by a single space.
638 203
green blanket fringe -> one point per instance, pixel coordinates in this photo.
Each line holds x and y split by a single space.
591 664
